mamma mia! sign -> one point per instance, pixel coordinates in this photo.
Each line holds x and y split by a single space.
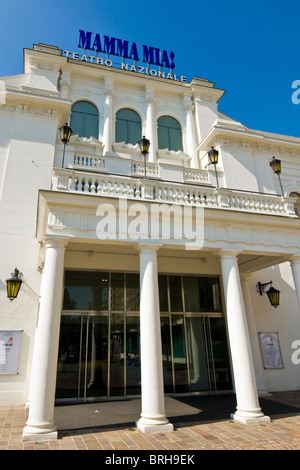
151 56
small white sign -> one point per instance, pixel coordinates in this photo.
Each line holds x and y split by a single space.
270 349
10 346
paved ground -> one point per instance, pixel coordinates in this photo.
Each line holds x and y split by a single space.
200 423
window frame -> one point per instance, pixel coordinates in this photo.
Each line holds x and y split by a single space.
138 121
83 119
168 128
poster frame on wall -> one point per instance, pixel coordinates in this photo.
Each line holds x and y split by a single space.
10 348
270 350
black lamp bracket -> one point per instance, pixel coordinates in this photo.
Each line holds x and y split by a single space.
262 287
16 274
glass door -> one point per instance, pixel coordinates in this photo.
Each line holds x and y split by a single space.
99 356
95 356
82 370
198 354
70 367
194 354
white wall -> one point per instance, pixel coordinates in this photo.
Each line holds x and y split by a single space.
285 320
30 153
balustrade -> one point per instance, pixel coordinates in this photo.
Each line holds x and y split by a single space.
167 192
83 161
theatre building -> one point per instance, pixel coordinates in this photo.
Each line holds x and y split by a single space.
146 272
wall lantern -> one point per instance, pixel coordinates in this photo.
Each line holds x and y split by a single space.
65 134
144 146
13 284
213 156
275 164
272 293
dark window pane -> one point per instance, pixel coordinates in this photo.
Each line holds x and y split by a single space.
96 363
133 363
117 355
85 107
163 138
179 354
221 361
128 115
202 294
77 123
169 133
86 291
163 293
133 292
196 342
134 132
175 294
84 119
175 139
117 291
121 131
166 354
168 121
209 293
191 294
91 126
128 126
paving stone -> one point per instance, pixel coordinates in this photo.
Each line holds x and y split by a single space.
282 433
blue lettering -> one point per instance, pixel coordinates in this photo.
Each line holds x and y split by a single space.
151 55
134 52
109 45
97 44
84 40
122 48
118 47
165 60
172 65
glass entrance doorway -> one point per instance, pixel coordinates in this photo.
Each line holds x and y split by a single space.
99 351
94 360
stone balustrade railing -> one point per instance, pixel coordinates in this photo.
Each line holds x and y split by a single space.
88 162
84 182
138 169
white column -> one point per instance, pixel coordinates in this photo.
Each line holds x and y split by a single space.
248 409
107 125
150 128
295 265
153 417
40 423
190 134
261 388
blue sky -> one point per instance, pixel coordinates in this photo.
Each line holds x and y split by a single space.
251 50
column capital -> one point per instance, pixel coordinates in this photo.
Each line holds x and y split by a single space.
227 253
245 276
149 94
55 241
148 247
295 259
109 88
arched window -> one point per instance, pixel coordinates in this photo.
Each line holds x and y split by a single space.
169 133
297 203
85 119
128 126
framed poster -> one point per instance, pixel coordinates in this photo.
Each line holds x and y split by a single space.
10 346
270 348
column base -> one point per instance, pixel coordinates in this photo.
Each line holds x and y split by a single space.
152 426
263 393
250 418
32 433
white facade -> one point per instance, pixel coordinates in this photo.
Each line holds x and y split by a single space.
50 222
